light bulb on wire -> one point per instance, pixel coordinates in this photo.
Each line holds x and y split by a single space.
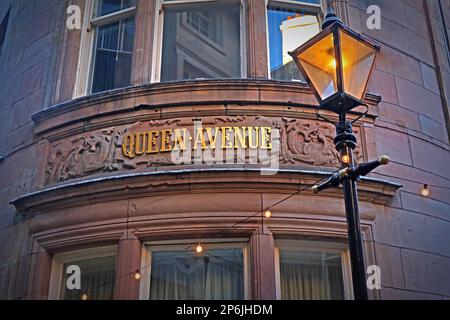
425 191
199 248
137 275
267 214
84 296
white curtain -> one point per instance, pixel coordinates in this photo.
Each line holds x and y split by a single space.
97 279
310 276
217 275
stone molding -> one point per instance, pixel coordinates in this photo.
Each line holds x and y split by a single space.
175 181
158 101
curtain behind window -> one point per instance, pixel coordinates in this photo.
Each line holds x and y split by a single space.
310 276
97 279
216 275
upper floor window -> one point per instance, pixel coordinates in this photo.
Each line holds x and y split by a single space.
114 24
200 40
290 24
195 39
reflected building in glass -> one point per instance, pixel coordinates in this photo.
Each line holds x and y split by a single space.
201 42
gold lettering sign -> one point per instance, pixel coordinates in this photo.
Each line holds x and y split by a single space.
167 140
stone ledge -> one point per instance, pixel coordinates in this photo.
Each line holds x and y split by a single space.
191 181
240 92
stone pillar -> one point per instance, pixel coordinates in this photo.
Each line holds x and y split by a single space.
128 262
256 39
143 42
263 265
39 274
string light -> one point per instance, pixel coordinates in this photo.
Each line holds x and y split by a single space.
199 248
137 275
84 296
425 191
267 214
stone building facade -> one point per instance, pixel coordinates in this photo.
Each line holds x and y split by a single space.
88 175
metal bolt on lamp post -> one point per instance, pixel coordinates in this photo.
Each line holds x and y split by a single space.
337 64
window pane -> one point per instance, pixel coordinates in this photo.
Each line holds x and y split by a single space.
113 55
310 276
320 64
357 61
201 42
288 29
104 7
97 279
215 275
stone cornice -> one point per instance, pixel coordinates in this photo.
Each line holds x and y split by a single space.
176 181
238 92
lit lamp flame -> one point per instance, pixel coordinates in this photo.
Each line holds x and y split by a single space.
346 159
333 64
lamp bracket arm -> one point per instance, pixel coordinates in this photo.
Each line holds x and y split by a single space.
318 115
362 115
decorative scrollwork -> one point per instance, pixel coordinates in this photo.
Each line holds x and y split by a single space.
86 155
308 142
303 142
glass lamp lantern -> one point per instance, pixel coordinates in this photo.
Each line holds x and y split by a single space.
337 64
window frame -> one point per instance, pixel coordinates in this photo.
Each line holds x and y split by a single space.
159 35
319 247
59 259
317 9
180 245
86 59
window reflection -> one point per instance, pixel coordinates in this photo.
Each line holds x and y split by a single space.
288 29
201 42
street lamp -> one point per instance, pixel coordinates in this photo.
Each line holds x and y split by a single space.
337 64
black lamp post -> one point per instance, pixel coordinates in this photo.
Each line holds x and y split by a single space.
337 64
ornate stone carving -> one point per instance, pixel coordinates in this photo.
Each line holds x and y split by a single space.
303 142
84 155
309 142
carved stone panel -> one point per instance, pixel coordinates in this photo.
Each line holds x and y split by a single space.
310 142
138 146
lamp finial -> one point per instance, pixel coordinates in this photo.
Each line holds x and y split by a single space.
330 17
